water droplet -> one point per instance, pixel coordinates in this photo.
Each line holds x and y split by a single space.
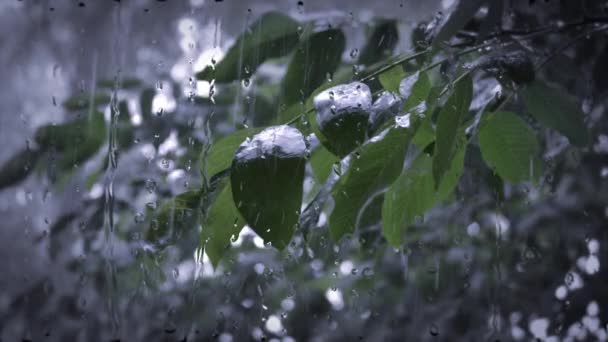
139 218
150 185
337 168
569 280
433 330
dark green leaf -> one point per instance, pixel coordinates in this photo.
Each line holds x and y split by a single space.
509 147
272 35
556 110
219 156
18 167
260 106
448 127
418 93
391 78
286 114
175 218
416 90
267 177
223 224
322 162
81 101
464 12
377 165
381 42
425 134
314 59
413 193
298 109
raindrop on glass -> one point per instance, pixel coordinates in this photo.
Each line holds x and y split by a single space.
433 330
151 185
139 218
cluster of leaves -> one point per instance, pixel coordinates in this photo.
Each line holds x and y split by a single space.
438 135
441 126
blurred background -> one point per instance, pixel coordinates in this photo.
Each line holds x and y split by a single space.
56 283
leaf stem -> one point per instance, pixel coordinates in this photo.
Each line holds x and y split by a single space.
568 44
398 61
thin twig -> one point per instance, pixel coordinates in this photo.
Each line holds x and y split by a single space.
553 28
399 61
569 44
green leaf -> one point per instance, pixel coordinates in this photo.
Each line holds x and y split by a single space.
322 162
377 165
425 134
509 147
381 43
457 20
272 35
76 140
222 225
219 156
419 92
18 167
391 78
287 114
413 193
557 110
314 59
82 100
448 127
344 135
267 177
177 216
260 107
416 90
